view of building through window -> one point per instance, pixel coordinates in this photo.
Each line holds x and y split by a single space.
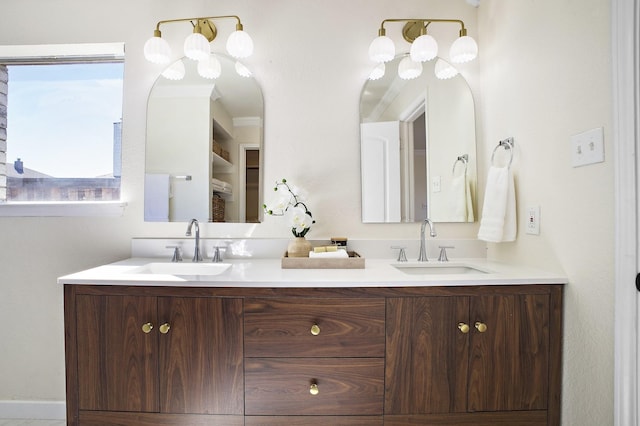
62 131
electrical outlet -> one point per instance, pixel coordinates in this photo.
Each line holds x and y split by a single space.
587 147
533 220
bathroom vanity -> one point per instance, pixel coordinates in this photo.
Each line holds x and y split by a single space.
258 345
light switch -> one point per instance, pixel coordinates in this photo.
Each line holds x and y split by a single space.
587 147
436 184
533 220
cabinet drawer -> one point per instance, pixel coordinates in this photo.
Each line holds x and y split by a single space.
345 386
313 420
314 327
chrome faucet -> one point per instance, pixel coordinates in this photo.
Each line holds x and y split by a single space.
423 246
197 257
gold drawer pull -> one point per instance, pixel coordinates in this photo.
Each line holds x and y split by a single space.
464 328
147 327
313 389
315 329
482 327
164 328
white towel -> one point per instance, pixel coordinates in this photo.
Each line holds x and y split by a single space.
221 186
498 223
156 197
340 254
460 199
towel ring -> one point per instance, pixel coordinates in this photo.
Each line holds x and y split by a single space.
464 159
506 144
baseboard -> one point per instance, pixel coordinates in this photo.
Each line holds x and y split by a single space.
38 410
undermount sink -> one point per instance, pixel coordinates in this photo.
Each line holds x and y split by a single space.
437 269
183 268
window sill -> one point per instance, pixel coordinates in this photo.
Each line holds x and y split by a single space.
62 209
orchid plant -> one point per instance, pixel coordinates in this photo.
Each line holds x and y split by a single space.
289 202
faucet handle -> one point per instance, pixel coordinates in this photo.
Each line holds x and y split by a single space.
443 253
402 256
217 254
177 253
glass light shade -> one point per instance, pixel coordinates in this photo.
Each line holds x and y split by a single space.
464 49
196 47
242 70
444 70
175 71
240 44
157 50
424 48
210 67
382 49
409 69
378 72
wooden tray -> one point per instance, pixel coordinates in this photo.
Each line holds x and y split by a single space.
354 261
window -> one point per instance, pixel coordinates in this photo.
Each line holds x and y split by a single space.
60 123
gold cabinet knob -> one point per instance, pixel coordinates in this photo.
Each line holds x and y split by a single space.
464 328
315 329
147 327
164 328
481 327
313 389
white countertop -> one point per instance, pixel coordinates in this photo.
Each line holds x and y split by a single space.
268 273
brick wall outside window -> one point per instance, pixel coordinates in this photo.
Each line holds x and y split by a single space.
4 78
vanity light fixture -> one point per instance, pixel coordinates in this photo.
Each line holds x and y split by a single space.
444 70
197 45
175 71
423 46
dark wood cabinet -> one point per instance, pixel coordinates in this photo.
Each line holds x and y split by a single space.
315 357
392 356
458 355
142 355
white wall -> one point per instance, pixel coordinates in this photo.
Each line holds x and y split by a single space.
311 62
546 76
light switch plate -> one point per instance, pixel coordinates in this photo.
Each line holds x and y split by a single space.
436 184
587 147
533 220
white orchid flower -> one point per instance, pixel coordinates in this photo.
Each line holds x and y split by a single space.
289 201
299 218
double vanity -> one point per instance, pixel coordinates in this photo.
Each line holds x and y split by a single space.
246 342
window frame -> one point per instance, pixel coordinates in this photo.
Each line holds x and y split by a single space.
62 54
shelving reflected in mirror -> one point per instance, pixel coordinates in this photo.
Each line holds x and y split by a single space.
418 148
204 147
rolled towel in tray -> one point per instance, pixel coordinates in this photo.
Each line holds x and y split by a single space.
338 254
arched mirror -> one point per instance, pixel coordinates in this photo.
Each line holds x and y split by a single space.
204 146
418 148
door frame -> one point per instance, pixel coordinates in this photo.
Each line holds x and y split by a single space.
626 121
242 179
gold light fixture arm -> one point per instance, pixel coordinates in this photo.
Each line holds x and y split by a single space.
415 27
203 25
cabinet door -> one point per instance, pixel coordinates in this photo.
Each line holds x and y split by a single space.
509 360
201 363
117 363
426 355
